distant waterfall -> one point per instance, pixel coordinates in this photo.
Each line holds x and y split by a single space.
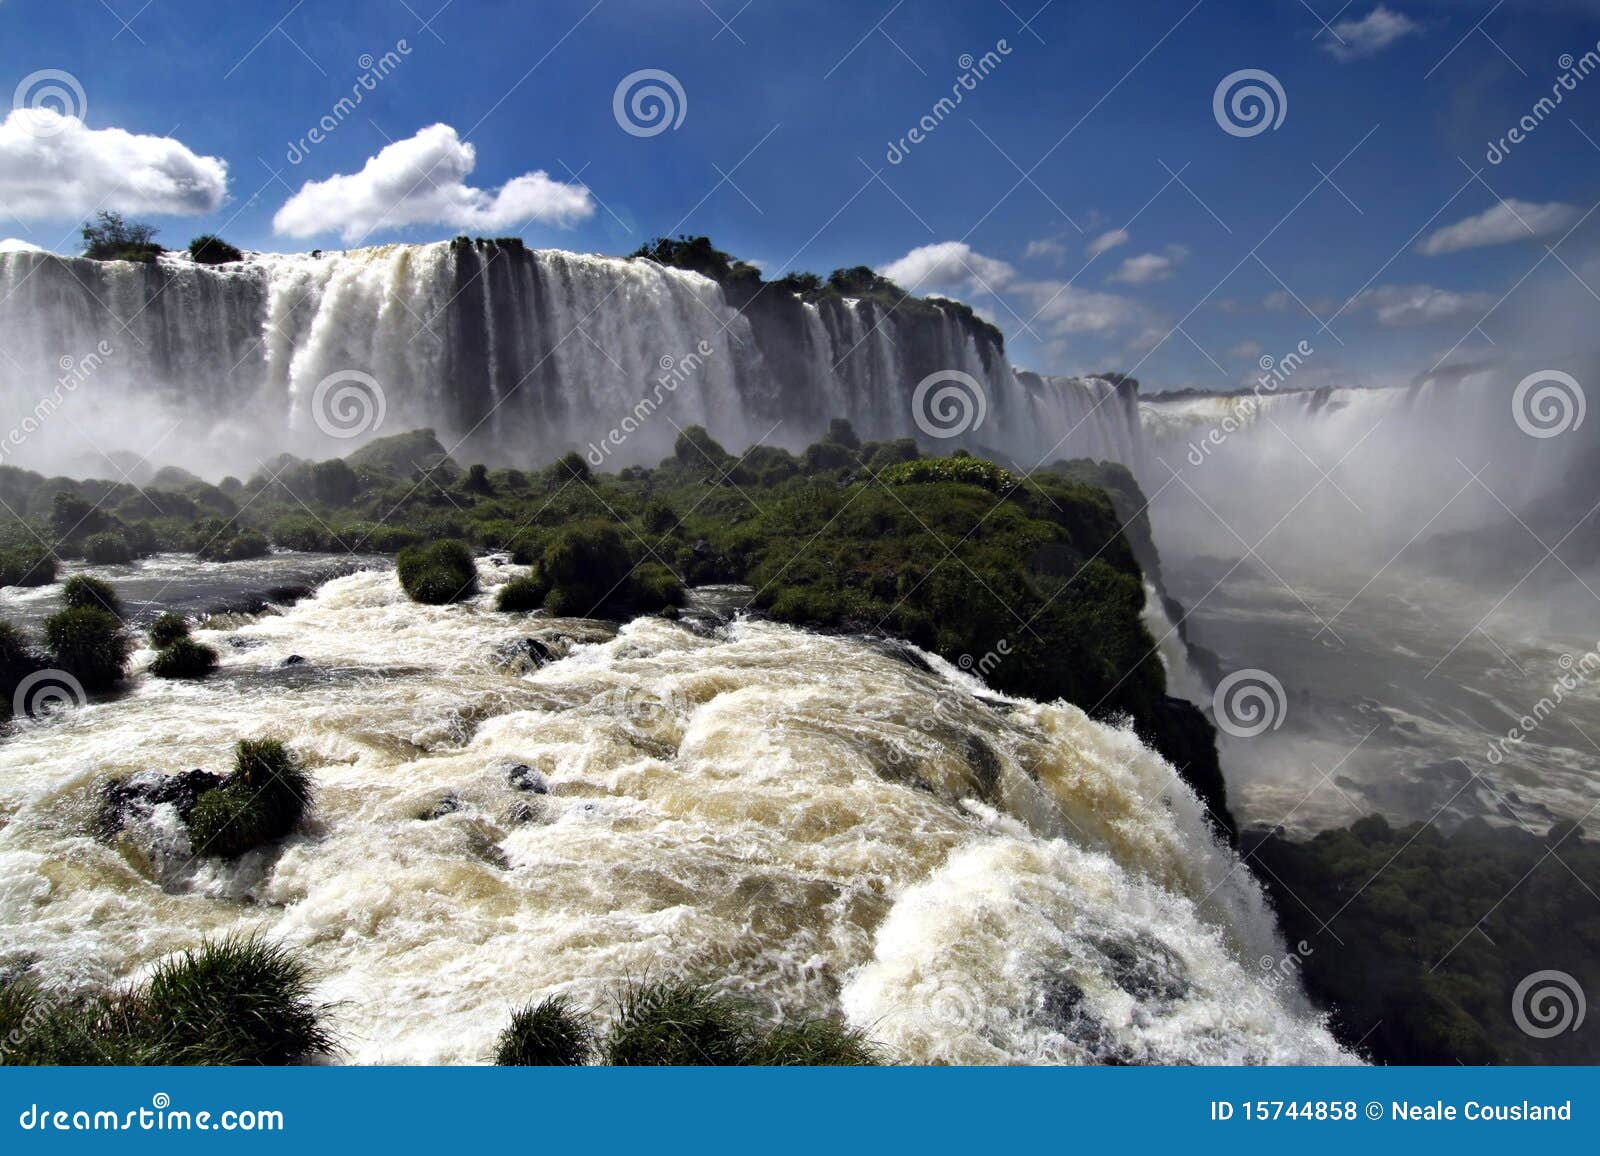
514 356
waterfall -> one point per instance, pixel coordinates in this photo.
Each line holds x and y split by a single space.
513 356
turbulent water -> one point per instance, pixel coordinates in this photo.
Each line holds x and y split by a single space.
827 825
513 356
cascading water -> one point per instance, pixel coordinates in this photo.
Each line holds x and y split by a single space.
813 821
516 355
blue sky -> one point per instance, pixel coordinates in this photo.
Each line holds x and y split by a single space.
1097 119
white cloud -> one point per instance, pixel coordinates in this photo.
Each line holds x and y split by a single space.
17 245
1047 247
54 166
1064 309
1355 39
1148 267
1106 242
1400 306
951 265
422 181
1507 221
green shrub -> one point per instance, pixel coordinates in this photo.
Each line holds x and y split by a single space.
240 547
234 1001
587 564
27 567
677 1023
439 573
209 249
380 538
81 591
549 1034
815 1043
334 482
302 532
167 629
107 549
966 470
90 644
184 658
654 587
261 801
521 594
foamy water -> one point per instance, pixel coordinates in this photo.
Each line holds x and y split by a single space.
816 822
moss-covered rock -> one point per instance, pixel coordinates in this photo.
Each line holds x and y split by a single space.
439 573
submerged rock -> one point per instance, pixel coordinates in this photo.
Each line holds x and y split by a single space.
123 801
522 777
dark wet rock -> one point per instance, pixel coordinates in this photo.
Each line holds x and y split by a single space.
525 654
1145 968
447 804
237 642
293 660
522 777
125 800
985 766
521 813
902 652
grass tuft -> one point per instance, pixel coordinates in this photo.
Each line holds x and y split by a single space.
262 801
185 658
548 1034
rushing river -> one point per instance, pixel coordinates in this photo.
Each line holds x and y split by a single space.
822 824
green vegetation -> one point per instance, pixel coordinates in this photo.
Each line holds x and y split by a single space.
548 1034
22 566
90 644
235 547
439 573
1429 952
111 238
167 629
185 659
522 594
240 1000
17 661
83 592
208 249
108 548
260 802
